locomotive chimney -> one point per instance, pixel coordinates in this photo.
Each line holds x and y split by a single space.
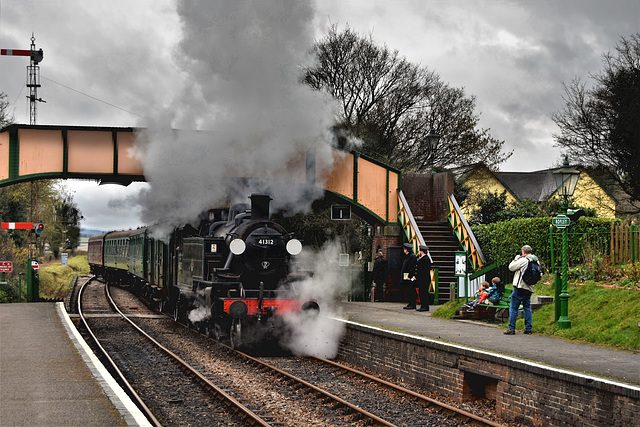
260 206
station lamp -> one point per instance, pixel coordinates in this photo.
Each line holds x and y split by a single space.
433 139
432 142
566 180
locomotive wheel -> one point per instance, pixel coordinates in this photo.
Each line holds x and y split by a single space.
216 332
204 327
235 335
177 311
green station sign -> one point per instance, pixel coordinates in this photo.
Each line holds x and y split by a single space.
561 221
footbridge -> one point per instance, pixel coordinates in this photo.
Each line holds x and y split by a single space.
105 154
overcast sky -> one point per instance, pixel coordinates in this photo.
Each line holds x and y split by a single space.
146 63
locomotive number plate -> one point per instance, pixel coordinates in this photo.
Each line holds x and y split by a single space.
266 242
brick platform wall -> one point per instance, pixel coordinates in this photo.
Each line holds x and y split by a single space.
527 393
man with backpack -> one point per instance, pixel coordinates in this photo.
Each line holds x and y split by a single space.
527 273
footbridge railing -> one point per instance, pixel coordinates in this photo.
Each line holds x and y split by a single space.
465 236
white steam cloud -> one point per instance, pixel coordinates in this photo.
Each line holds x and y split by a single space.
319 335
246 112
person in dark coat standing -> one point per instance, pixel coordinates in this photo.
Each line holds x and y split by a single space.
409 275
380 273
423 277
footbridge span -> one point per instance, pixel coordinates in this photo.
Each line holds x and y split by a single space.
105 154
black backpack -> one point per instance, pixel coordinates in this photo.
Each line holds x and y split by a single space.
533 273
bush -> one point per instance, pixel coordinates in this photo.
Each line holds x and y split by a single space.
501 241
632 271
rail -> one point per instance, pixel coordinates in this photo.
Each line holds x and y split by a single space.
112 364
463 233
248 416
408 223
427 401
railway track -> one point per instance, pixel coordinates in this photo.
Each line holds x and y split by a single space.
275 390
345 380
241 415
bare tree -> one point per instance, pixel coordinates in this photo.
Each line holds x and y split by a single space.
392 105
5 118
601 125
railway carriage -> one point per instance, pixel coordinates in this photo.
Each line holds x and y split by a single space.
95 252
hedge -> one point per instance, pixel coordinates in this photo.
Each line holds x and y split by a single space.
501 241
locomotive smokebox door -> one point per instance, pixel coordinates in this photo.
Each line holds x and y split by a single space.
260 206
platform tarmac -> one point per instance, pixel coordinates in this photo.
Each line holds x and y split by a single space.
50 377
616 365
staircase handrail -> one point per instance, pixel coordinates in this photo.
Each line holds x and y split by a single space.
413 234
408 223
464 234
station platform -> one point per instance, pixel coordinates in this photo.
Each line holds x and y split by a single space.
609 364
50 377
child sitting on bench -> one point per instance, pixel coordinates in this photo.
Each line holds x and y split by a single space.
496 291
481 295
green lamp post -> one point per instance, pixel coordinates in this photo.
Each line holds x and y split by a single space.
566 180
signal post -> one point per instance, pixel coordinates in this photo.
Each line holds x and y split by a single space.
33 280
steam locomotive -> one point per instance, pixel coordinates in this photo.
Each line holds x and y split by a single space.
230 277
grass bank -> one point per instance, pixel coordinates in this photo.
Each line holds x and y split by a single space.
56 280
600 313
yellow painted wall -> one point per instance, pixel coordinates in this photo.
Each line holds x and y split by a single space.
590 195
481 181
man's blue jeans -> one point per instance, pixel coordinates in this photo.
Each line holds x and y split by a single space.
520 296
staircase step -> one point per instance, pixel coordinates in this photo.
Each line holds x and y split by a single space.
443 245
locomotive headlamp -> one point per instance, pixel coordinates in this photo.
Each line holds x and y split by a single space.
294 246
237 246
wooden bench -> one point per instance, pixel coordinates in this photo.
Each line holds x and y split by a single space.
498 311
505 302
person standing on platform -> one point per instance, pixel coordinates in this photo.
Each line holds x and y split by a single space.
521 291
423 277
380 272
409 275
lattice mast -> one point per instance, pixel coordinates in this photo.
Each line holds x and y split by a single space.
33 75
